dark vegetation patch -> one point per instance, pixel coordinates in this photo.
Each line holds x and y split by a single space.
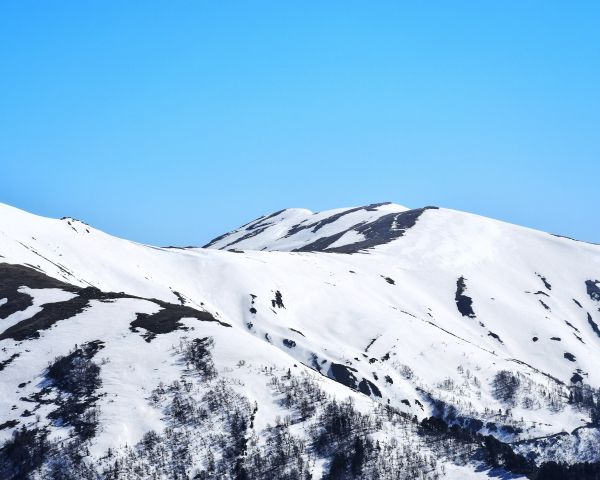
76 377
197 354
492 451
278 300
289 343
463 302
593 324
543 279
505 387
593 290
569 356
24 453
8 361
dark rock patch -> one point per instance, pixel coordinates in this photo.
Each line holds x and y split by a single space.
253 310
278 300
14 276
9 424
556 339
572 326
389 280
368 388
168 319
593 324
544 305
463 302
289 343
534 339
569 356
251 234
576 378
179 296
343 374
543 279
577 303
593 290
316 226
494 335
380 231
405 402
370 344
8 361
297 331
50 314
389 380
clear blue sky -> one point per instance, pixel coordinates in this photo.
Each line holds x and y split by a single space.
172 122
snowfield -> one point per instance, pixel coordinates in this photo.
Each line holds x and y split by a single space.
370 342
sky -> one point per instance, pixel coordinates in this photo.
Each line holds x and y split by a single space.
172 122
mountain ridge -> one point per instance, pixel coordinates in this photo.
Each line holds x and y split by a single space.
451 316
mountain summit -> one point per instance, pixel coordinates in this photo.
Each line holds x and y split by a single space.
368 342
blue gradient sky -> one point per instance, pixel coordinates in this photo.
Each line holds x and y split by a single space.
172 122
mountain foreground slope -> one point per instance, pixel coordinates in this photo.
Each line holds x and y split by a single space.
368 342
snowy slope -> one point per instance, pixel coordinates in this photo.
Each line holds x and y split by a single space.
432 312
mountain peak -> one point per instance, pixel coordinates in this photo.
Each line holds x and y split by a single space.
341 230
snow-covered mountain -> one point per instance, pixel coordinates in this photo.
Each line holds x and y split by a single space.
368 342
